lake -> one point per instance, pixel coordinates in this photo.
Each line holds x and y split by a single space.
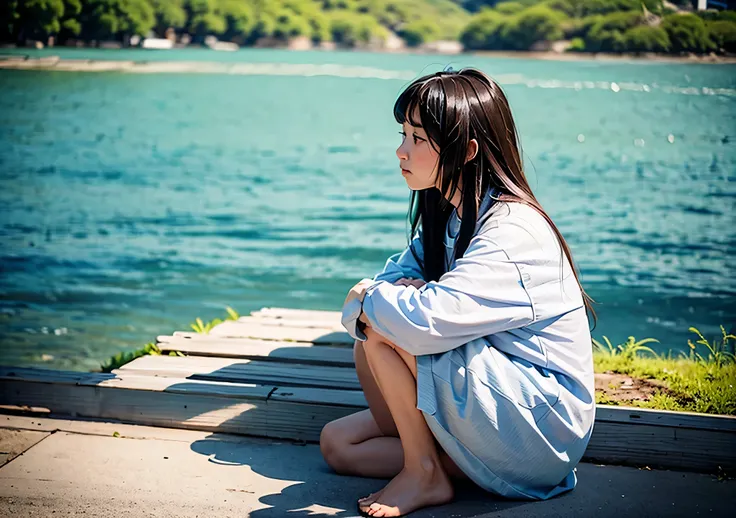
133 203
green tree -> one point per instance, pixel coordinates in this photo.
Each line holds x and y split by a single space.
35 19
510 7
582 8
70 25
539 23
169 14
113 19
420 31
289 24
204 18
646 39
318 22
483 31
40 18
350 29
240 20
723 34
687 33
607 33
576 45
712 16
8 19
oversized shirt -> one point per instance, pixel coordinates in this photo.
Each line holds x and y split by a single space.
503 350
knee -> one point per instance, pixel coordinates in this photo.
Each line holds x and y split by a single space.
376 344
333 444
363 347
370 335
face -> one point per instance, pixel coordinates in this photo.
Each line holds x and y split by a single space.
418 160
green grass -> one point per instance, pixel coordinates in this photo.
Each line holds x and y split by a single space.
198 326
704 380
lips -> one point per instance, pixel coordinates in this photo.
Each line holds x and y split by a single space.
405 171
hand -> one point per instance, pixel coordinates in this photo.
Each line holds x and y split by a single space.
417 283
364 319
358 291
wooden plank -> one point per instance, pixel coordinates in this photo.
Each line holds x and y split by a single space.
243 371
235 329
662 447
289 322
266 350
300 413
299 314
298 352
620 414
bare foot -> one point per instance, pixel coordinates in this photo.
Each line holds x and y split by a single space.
368 500
409 491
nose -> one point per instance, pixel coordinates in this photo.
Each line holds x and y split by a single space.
401 152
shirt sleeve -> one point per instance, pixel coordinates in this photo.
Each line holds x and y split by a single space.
404 264
400 265
482 295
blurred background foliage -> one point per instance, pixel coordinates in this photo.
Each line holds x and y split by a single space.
583 25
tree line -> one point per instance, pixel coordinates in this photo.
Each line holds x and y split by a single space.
587 25
601 26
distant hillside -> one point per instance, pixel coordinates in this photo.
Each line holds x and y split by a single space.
637 26
346 22
600 26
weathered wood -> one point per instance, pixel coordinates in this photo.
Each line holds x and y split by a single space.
662 447
302 323
244 371
236 329
176 403
266 350
656 438
298 352
333 317
647 416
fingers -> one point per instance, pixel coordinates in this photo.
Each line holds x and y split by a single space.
417 283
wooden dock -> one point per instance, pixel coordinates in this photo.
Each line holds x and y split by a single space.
285 373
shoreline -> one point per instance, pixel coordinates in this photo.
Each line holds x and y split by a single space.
603 56
16 54
55 63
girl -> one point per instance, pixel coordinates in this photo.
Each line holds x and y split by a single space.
472 346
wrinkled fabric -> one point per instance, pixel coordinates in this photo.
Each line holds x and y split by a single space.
503 349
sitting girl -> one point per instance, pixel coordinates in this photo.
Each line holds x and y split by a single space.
473 345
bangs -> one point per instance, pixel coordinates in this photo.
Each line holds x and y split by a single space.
406 104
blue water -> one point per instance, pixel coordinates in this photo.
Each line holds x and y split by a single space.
133 203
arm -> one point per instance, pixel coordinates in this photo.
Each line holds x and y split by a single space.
397 266
403 264
482 295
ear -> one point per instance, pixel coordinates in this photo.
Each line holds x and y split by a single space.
472 150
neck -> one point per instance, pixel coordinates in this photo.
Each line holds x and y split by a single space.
456 201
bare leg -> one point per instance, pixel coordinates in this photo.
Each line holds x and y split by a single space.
367 443
422 481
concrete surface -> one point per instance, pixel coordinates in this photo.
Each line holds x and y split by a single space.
81 469
15 442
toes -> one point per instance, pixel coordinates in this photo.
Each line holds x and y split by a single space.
378 510
367 500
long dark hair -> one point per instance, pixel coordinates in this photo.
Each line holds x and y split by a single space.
455 107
